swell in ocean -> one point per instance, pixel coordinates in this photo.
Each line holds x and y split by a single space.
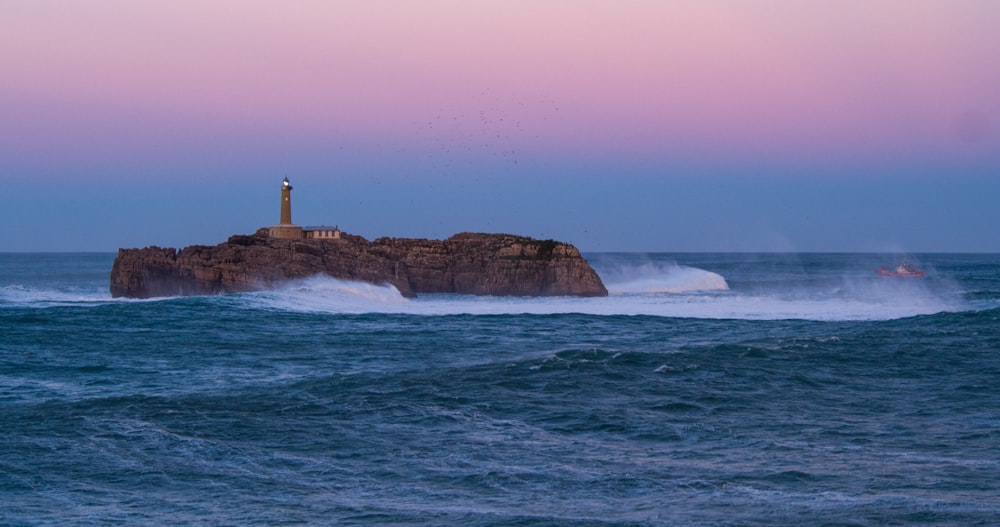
706 389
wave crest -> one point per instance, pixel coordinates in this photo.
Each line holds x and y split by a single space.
18 294
330 295
661 278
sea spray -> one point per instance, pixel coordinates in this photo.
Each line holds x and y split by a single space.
818 302
622 277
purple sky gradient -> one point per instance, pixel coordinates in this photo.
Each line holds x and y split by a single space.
636 125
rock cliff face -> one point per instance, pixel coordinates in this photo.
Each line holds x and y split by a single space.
468 263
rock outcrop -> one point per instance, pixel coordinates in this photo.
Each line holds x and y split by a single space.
468 263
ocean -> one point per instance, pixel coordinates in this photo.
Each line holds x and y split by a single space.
707 389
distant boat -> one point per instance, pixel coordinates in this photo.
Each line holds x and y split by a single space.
903 269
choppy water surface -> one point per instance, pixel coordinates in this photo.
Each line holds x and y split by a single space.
741 389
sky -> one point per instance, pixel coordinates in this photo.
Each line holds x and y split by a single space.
615 125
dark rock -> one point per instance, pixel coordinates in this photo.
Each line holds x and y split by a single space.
468 263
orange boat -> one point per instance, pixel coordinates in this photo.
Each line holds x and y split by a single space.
903 269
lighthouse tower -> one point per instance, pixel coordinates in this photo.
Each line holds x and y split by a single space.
286 203
285 229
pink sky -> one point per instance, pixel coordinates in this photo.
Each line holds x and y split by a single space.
700 78
653 124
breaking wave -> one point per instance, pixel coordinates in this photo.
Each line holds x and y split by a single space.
638 286
329 295
700 294
17 294
655 277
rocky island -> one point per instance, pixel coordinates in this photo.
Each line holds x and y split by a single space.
466 263
469 263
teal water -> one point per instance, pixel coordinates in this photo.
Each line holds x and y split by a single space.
708 389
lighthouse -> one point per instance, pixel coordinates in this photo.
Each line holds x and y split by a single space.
285 229
286 203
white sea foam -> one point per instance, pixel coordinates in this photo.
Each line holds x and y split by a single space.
330 295
653 277
25 295
637 286
677 291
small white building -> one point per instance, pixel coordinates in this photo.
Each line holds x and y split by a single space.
321 232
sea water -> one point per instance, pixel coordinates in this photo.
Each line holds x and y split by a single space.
707 389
